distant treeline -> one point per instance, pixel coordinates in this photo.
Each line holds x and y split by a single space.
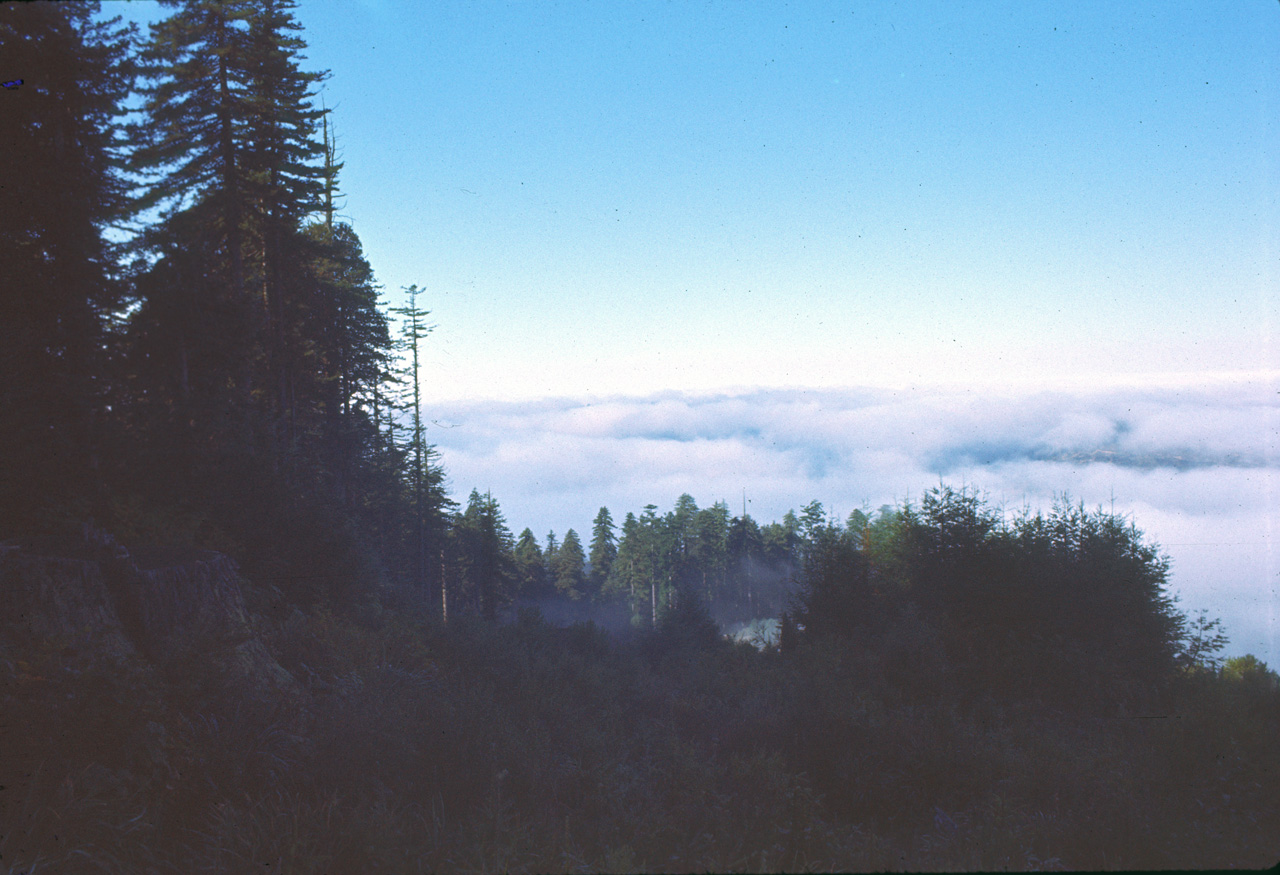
736 567
1072 602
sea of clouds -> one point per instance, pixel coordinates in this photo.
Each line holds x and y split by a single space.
1196 466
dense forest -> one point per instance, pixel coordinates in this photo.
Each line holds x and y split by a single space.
196 362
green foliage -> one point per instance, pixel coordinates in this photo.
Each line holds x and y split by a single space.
62 187
255 383
530 568
482 547
686 624
836 595
728 564
1071 606
1248 669
604 550
250 378
570 567
1202 638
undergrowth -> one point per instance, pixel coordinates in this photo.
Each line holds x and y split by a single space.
471 747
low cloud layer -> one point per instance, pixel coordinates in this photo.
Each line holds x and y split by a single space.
1198 467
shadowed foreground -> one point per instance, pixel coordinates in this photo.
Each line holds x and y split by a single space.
400 745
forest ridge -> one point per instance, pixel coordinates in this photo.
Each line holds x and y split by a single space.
196 358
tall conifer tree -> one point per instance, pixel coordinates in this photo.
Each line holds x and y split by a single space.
531 574
194 351
59 189
190 144
227 152
484 551
604 550
425 480
283 181
570 566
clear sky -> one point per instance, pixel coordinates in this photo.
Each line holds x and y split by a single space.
632 197
607 197
837 251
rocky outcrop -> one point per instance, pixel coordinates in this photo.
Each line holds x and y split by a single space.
168 607
197 610
178 606
63 602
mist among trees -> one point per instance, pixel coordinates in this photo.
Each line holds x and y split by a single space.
196 356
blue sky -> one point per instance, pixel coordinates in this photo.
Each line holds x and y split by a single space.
618 197
880 235
632 198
